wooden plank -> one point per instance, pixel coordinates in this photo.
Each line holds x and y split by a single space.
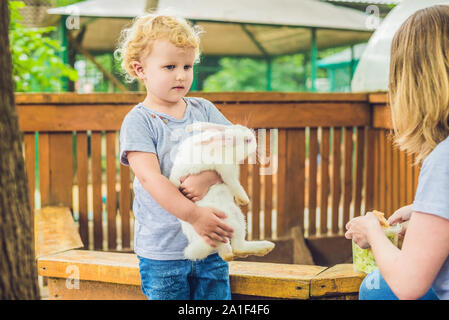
255 197
300 191
388 174
55 231
282 215
347 186
254 115
359 167
297 115
44 168
296 178
370 169
71 117
76 98
312 200
249 278
378 98
395 192
61 168
402 178
135 97
82 174
268 184
382 171
337 280
121 268
111 198
29 141
125 204
272 279
381 117
59 289
324 179
96 189
336 178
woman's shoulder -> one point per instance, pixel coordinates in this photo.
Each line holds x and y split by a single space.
440 154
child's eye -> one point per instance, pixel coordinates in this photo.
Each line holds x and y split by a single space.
170 67
187 67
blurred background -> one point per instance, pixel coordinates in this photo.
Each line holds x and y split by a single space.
283 45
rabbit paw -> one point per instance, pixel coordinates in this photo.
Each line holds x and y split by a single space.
228 257
242 200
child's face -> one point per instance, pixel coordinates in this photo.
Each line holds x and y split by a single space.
167 71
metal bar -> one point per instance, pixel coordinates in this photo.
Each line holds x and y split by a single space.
314 59
269 63
64 49
254 40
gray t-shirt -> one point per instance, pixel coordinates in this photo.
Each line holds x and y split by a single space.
157 233
432 197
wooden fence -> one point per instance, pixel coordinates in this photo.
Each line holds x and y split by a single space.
327 158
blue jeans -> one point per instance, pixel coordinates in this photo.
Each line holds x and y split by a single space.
374 287
206 279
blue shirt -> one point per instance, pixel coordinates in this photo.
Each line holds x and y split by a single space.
432 197
157 233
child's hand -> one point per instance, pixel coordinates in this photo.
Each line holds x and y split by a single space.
208 224
196 186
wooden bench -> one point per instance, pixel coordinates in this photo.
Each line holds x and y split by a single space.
86 274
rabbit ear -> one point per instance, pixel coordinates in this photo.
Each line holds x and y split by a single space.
198 126
209 139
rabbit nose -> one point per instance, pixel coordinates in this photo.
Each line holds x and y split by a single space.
247 140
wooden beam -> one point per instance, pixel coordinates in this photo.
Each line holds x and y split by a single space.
258 115
86 53
215 97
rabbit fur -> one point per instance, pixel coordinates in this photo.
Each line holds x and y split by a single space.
220 148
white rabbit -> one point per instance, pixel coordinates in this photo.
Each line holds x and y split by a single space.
220 148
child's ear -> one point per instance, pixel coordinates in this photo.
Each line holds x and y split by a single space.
138 69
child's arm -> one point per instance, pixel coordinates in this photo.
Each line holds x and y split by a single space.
206 221
196 186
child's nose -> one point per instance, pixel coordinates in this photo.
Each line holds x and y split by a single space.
180 76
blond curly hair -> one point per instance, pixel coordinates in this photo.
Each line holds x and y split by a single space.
419 81
136 41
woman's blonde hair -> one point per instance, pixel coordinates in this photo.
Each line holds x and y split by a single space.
136 41
419 81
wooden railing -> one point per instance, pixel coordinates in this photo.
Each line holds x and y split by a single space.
325 153
395 175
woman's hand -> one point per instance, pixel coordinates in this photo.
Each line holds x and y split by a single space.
196 186
399 216
360 229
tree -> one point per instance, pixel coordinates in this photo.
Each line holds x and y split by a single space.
18 271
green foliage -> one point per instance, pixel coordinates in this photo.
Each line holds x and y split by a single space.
36 62
288 73
238 75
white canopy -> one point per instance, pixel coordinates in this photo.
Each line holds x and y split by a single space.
373 69
271 27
